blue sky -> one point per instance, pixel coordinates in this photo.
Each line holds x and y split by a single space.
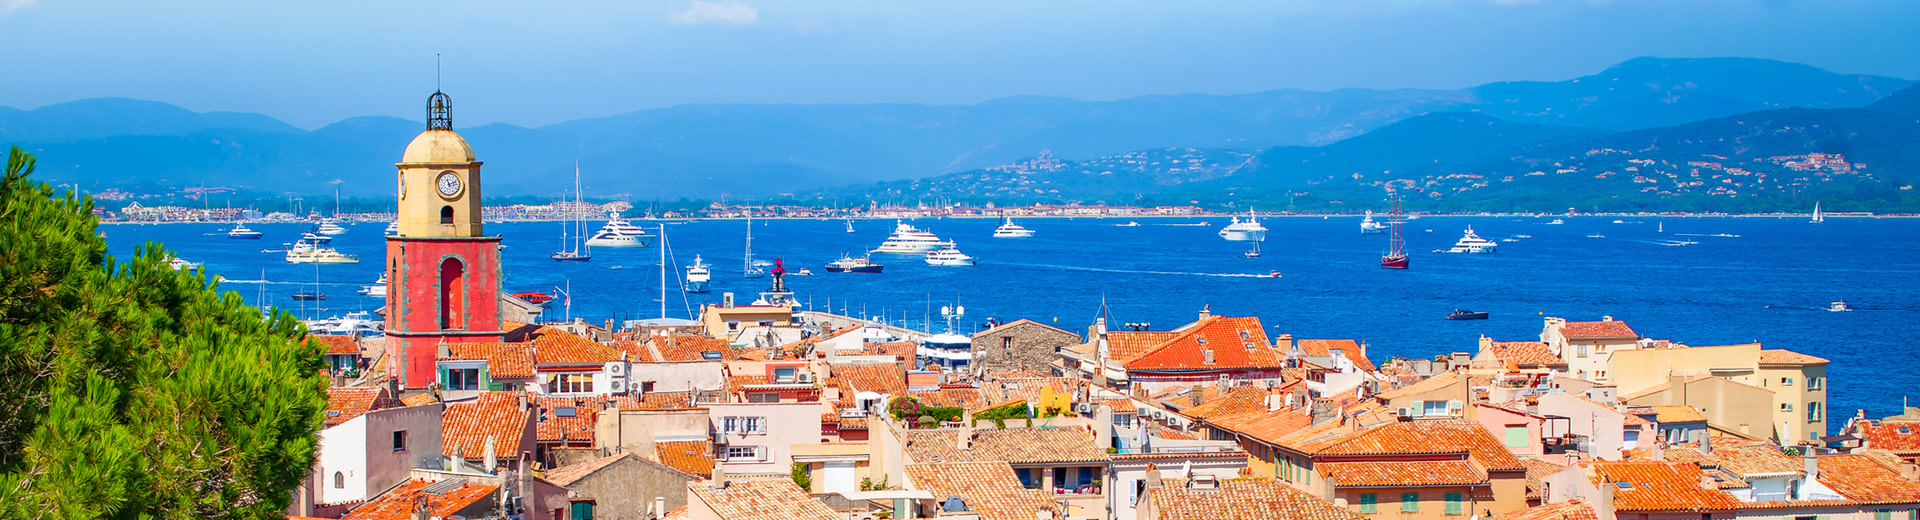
535 63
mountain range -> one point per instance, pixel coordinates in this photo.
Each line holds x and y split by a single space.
704 151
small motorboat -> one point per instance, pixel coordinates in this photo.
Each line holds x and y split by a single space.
1556 222
849 264
1839 306
1272 274
309 296
177 264
802 272
1466 315
536 298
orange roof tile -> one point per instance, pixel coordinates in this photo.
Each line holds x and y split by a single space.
1245 499
1397 474
762 499
1239 399
566 475
660 400
1236 343
1125 345
1598 329
1575 509
337 344
1119 405
556 426
504 360
903 350
1348 348
552 346
1029 388
989 488
694 457
1537 471
1526 354
464 427
1872 478
1416 438
1679 413
1263 425
1015 445
884 378
346 403
1660 487
961 397
1788 357
399 504
1742 460
677 349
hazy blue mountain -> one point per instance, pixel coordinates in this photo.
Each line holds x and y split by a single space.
759 150
1905 102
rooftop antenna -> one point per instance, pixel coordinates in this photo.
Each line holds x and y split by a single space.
436 71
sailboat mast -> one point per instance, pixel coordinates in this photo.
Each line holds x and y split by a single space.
663 271
747 264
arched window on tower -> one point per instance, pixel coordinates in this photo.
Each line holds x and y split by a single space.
339 480
446 214
453 294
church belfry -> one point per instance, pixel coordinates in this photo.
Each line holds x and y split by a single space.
443 270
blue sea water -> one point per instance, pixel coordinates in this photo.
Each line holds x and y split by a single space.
1769 281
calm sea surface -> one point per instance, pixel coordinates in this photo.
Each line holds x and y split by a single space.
1703 281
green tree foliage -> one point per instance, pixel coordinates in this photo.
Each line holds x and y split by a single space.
132 390
803 476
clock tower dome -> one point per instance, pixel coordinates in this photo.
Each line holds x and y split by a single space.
444 274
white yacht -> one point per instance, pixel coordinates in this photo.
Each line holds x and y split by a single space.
240 231
377 290
699 276
1556 222
357 322
309 242
947 350
1248 230
177 264
619 233
907 240
1008 229
321 255
1369 227
1839 306
393 228
949 256
1472 243
330 227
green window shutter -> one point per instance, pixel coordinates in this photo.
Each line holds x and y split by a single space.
443 378
1409 502
1517 436
1884 514
1369 502
1453 502
494 386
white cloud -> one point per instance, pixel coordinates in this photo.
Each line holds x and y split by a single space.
699 13
9 6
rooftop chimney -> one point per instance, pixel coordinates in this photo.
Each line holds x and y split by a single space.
1606 318
1706 443
1909 471
1206 312
491 460
966 433
1659 448
1810 461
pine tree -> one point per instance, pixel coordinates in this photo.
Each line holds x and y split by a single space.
134 390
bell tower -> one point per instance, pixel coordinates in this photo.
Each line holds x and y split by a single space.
443 273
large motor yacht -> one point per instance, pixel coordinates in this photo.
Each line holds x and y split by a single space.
240 231
699 276
949 256
321 255
1008 229
330 227
907 240
1472 243
1369 227
848 264
1248 230
377 290
619 233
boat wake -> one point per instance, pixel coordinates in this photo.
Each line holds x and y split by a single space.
1669 243
1139 271
1720 235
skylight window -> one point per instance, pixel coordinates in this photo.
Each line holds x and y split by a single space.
1624 484
710 355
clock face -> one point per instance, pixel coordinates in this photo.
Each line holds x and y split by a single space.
449 184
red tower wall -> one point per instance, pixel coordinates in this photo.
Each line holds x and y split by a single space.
415 302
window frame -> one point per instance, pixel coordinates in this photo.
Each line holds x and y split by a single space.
399 440
1410 502
1453 503
1369 503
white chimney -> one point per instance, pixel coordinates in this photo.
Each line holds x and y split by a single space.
491 461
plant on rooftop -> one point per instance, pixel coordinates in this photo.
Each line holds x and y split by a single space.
133 390
802 477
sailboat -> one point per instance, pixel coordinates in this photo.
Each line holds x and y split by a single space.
573 251
750 270
849 224
1255 252
1818 217
1396 257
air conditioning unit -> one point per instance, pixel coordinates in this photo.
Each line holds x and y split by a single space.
1083 408
616 369
1403 412
805 377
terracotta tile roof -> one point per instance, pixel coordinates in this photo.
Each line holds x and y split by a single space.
851 423
346 403
1239 399
1872 478
1537 471
1165 432
1895 436
1028 388
566 475
1396 474
1014 445
1630 420
399 503
1246 499
579 427
679 513
1743 461
1125 345
1236 343
1788 357
1415 438
552 346
762 499
1349 349
1575 509
464 427
1119 405
661 400
676 349
988 487
419 399
694 457
1438 381
1263 425
336 344
1660 487
961 397
884 378
1008 325
1597 329
1526 354
504 360
903 350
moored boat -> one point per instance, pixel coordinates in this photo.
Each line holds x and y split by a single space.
1369 227
1467 315
617 232
849 264
242 232
699 276
1472 243
1396 257
1008 229
907 240
949 256
1248 230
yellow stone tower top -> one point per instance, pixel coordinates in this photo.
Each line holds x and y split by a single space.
439 180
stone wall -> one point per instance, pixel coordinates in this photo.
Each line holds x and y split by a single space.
1021 345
